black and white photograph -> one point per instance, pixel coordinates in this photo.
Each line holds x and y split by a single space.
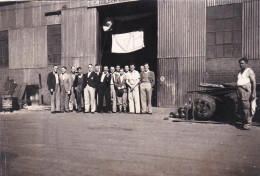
130 88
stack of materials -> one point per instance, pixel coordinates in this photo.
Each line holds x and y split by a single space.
11 96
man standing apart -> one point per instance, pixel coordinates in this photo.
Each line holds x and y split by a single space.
78 84
147 80
54 88
104 90
121 91
72 101
65 85
246 84
89 84
112 88
132 81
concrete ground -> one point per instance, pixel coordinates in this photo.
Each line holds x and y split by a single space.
36 143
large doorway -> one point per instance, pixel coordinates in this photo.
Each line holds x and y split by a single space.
130 17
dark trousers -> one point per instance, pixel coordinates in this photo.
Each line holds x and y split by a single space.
79 94
102 91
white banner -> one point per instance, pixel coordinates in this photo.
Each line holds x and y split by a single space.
127 42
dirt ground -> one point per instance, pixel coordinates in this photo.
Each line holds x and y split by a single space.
36 143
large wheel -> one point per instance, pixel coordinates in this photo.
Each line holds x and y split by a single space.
204 107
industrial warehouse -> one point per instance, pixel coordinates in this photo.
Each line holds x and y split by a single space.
193 47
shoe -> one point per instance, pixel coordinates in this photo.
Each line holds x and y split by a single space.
92 112
109 112
86 112
67 111
70 110
150 113
53 112
246 127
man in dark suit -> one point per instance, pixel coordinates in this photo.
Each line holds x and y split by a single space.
78 84
54 88
104 90
98 73
89 84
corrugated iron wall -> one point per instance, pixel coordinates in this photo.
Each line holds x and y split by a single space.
29 14
181 35
79 37
251 30
167 82
224 2
28 48
181 28
191 71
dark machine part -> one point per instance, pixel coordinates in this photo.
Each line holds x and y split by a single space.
204 107
212 97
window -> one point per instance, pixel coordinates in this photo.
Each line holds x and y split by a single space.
54 44
224 31
4 60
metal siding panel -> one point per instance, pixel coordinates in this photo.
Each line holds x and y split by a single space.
191 72
181 75
79 36
181 29
251 30
20 17
167 89
28 48
225 2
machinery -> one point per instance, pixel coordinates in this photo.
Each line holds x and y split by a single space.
215 102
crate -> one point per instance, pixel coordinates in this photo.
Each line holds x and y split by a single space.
7 103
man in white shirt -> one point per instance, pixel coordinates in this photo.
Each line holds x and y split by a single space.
132 80
112 88
246 84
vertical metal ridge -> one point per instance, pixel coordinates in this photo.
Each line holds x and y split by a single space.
251 30
181 25
225 2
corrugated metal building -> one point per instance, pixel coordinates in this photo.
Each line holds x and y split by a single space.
191 41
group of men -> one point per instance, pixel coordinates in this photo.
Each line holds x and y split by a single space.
112 90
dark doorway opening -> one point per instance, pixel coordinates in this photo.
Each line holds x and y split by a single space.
130 17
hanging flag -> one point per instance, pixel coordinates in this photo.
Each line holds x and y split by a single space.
127 42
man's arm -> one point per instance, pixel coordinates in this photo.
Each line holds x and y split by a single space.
253 83
153 78
137 81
